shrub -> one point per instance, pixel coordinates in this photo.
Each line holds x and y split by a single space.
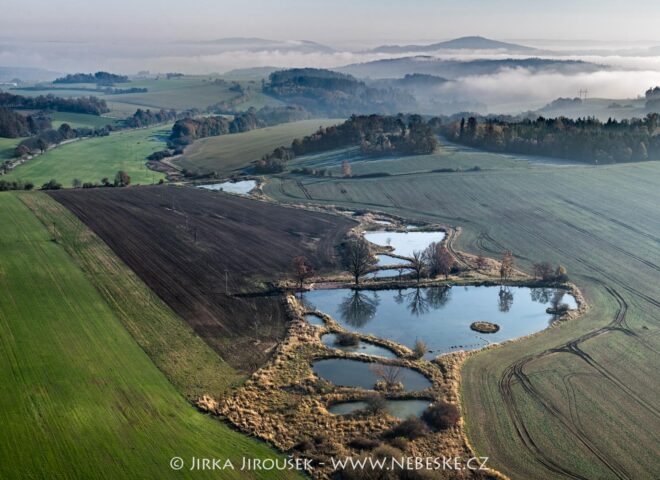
441 415
410 428
376 403
399 442
347 340
363 443
420 348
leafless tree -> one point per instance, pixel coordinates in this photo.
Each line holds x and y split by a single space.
417 265
506 266
439 259
358 259
390 374
301 269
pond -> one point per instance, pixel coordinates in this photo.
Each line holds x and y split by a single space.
387 273
242 187
404 243
440 316
366 348
400 409
314 320
353 373
387 260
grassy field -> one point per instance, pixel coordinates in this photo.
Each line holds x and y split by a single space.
7 146
80 399
228 154
91 159
576 401
77 120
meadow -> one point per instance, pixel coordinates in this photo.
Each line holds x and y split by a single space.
7 146
578 400
229 154
80 398
78 120
91 159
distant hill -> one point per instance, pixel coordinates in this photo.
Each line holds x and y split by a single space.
263 44
250 73
462 43
452 69
329 93
26 74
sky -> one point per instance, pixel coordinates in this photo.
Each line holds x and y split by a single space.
336 22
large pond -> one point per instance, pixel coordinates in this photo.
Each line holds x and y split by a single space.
401 409
404 243
353 373
440 316
367 348
242 187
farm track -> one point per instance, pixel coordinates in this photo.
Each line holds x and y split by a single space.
515 374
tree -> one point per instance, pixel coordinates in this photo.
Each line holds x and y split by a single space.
346 169
561 274
481 262
441 415
420 348
52 184
417 265
543 271
357 258
76 183
439 259
506 266
122 179
302 270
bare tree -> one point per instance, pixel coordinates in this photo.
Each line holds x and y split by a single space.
439 259
357 258
301 269
543 270
506 266
481 262
417 265
346 169
390 374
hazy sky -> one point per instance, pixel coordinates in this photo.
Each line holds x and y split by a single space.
337 22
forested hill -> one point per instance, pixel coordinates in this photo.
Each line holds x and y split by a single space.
584 140
325 92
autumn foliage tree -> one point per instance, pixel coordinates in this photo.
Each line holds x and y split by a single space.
302 270
506 266
439 259
346 169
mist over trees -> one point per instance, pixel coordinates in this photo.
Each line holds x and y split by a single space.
335 94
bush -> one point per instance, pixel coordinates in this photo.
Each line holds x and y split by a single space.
441 415
347 340
51 185
399 442
411 429
420 348
363 443
376 403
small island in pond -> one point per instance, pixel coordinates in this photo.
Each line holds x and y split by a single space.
485 327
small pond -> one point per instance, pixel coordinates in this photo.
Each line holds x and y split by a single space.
404 243
387 260
314 320
353 373
400 409
366 348
387 273
242 187
440 316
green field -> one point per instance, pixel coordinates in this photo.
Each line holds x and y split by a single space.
7 147
579 400
91 159
228 154
78 120
80 398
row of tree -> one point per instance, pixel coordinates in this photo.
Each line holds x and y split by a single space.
585 139
187 130
90 105
122 179
375 135
42 141
98 77
14 125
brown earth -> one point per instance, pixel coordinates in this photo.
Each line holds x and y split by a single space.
185 243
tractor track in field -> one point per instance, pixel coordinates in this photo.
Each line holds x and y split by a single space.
515 375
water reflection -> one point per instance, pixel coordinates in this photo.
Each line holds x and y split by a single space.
358 307
505 299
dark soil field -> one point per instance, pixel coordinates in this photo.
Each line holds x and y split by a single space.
211 256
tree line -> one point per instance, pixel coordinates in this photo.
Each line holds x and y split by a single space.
98 77
584 140
89 105
14 125
187 130
375 135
